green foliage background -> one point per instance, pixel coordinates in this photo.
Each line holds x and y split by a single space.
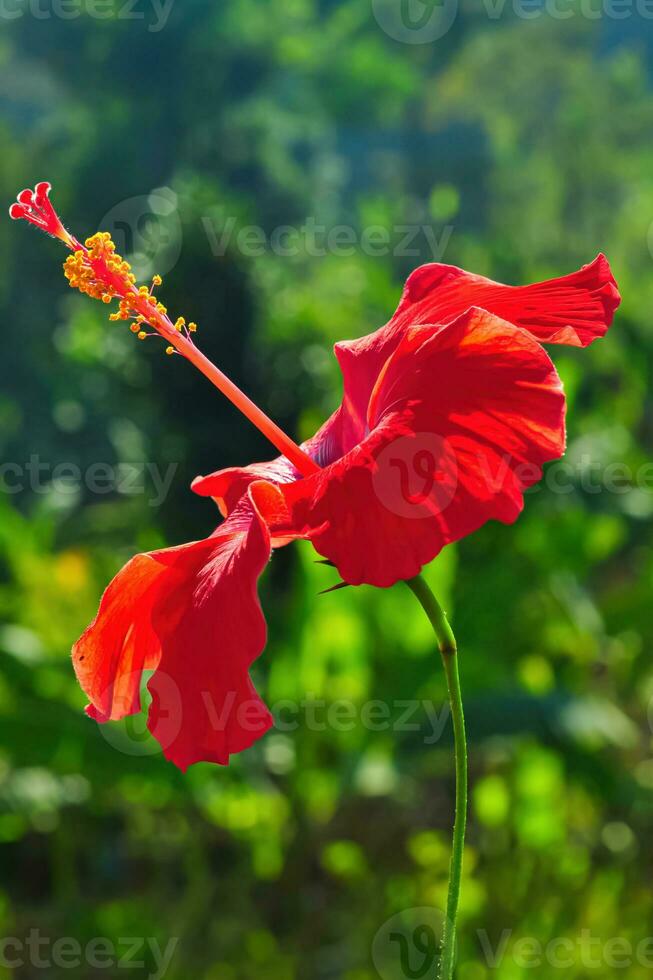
528 143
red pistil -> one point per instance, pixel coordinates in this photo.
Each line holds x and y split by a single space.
35 207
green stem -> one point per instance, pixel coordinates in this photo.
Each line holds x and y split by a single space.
449 652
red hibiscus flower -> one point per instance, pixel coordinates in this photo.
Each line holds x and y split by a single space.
448 414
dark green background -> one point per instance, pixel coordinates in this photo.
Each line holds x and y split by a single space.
526 142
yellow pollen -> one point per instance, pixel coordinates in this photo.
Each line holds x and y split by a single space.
192 327
170 350
99 271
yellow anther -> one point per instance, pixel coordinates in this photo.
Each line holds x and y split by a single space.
100 272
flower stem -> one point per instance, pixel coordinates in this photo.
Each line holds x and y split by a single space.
449 652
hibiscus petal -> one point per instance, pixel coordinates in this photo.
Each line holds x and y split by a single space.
193 616
461 421
574 309
227 486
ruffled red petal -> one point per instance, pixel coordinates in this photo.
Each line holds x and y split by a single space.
574 309
228 486
460 422
193 616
